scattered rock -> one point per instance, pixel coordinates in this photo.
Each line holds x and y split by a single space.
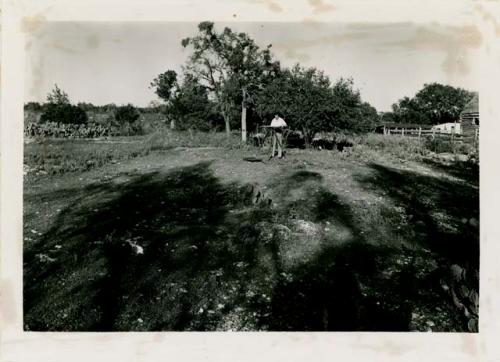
44 258
136 247
282 230
306 227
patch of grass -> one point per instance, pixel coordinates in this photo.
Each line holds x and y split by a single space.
404 147
166 139
58 156
374 146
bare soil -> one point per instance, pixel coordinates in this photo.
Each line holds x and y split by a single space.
199 239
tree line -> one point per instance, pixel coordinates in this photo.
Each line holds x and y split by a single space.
58 112
230 83
229 79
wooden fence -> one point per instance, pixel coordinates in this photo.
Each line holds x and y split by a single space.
435 133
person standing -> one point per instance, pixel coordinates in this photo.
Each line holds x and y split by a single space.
278 124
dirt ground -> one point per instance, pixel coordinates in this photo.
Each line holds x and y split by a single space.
199 239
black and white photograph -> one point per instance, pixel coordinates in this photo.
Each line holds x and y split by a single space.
251 176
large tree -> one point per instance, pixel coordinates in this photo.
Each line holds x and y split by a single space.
225 61
165 86
309 102
435 103
191 106
186 102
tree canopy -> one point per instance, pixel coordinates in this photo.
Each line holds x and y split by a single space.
226 61
435 103
229 75
238 76
164 85
308 101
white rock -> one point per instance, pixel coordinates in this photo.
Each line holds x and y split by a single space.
306 227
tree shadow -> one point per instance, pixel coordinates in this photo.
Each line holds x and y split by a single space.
180 250
366 283
141 255
465 170
350 285
343 290
444 213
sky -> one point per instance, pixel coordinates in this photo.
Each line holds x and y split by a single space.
105 62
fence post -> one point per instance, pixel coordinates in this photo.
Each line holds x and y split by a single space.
433 133
402 131
419 132
453 140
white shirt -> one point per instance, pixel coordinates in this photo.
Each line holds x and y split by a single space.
278 122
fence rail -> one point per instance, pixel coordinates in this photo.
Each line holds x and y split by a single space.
433 133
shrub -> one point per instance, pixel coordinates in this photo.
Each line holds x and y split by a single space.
397 146
64 113
126 118
439 145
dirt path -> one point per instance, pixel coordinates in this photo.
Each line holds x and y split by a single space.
198 239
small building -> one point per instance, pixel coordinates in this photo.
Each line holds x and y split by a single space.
399 128
451 127
469 118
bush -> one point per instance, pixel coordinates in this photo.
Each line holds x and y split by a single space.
63 113
126 113
126 118
439 145
401 147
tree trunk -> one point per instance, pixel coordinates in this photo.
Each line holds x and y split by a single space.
243 120
307 137
228 125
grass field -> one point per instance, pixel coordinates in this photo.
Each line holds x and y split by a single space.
153 233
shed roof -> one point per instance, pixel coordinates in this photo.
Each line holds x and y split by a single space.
473 105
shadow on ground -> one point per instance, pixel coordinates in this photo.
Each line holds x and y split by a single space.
466 170
444 214
147 253
184 251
